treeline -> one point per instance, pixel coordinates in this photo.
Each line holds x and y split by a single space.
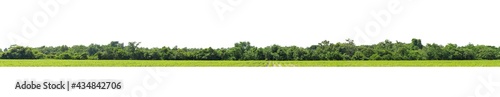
324 50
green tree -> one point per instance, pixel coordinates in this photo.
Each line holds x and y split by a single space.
358 56
416 43
19 52
325 50
65 56
375 57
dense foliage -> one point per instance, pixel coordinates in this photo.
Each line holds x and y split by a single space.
324 50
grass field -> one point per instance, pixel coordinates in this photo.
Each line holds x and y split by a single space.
171 63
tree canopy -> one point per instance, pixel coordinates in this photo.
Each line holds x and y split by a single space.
386 50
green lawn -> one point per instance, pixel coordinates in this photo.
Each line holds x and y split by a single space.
171 63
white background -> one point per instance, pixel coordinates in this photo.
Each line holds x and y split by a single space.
196 23
263 82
